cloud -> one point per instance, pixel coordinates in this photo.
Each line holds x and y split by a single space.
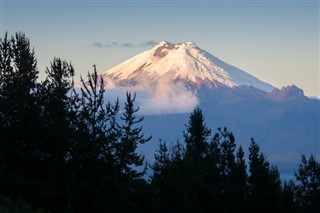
149 43
127 44
168 97
115 44
120 44
98 45
163 96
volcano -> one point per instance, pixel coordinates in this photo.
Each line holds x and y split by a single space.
181 62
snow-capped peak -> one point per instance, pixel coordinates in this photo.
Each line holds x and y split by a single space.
163 43
181 62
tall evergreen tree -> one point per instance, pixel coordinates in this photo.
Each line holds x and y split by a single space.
169 177
19 116
56 131
92 176
239 179
230 175
196 136
264 182
131 137
308 178
289 200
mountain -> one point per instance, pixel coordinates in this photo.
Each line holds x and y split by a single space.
286 93
184 62
172 79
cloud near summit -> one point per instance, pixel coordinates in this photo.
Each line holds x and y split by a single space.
116 44
162 97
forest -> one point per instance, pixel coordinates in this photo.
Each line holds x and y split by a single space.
64 149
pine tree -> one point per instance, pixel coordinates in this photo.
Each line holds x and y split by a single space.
92 175
131 137
168 180
289 201
19 113
56 131
95 120
230 175
196 136
308 178
162 162
264 182
239 182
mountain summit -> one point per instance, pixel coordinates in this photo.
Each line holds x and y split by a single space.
184 62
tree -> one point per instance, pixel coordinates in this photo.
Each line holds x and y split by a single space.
239 178
56 102
56 131
264 182
196 137
227 148
169 178
19 114
228 171
131 137
289 201
308 178
92 174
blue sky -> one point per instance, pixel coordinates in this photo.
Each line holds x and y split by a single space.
276 41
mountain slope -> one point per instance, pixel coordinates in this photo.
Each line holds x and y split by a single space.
181 62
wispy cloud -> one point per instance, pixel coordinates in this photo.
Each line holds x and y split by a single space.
98 45
115 44
155 98
149 43
166 97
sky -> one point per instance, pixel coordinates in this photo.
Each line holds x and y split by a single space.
276 41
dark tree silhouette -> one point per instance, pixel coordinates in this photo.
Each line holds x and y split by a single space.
55 131
19 114
92 172
131 137
308 187
196 136
264 182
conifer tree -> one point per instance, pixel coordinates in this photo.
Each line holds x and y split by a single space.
93 117
264 182
56 131
57 105
239 182
92 173
227 170
196 136
131 137
308 188
169 177
289 200
162 162
19 116
227 149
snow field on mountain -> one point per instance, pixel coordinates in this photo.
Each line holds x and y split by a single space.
185 62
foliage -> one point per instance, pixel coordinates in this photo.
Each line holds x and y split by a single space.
308 187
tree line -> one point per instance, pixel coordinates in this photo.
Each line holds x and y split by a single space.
68 150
